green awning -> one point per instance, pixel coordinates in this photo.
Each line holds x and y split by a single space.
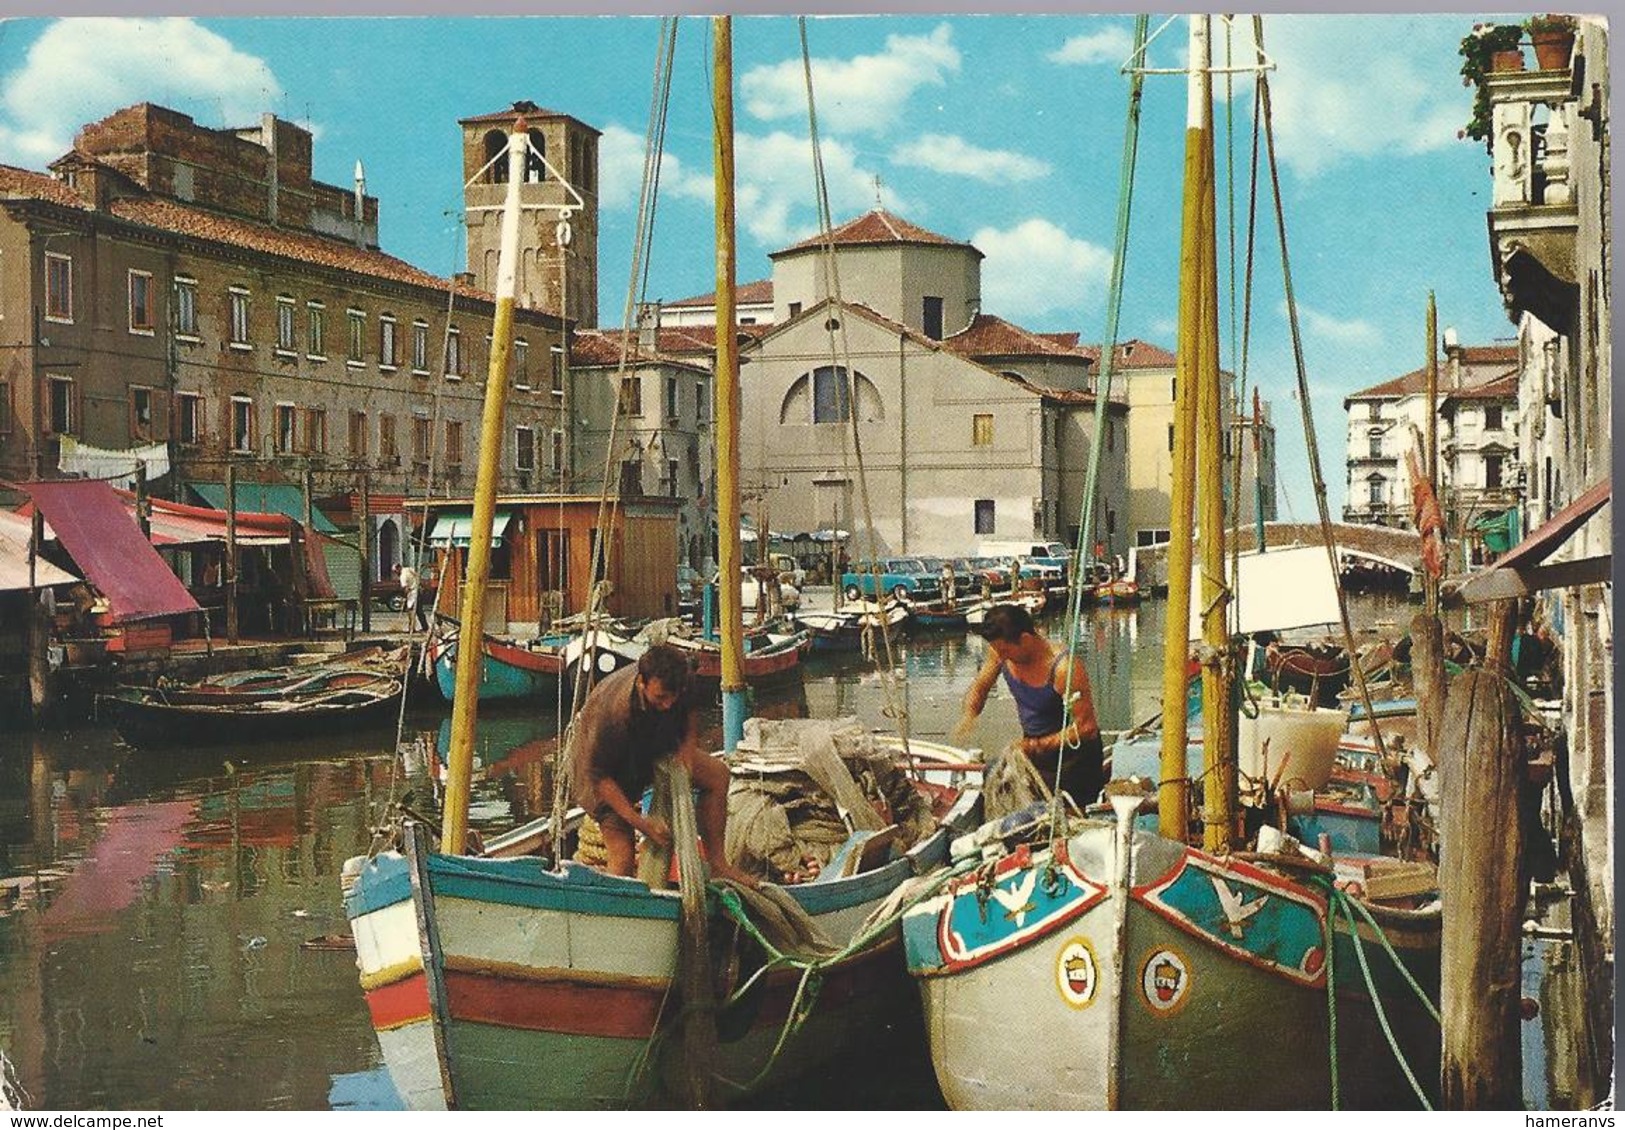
456 529
265 498
1499 531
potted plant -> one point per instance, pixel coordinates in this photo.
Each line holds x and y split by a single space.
1486 49
1553 37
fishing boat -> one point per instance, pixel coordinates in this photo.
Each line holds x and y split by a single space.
353 690
528 669
1117 591
773 656
845 628
1033 602
542 982
1152 973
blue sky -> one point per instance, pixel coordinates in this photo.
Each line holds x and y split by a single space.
1003 130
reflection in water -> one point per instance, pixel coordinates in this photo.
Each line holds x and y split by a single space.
155 906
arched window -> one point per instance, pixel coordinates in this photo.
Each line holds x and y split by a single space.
824 396
535 170
496 144
1377 490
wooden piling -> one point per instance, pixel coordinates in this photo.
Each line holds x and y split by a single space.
231 553
1482 886
1428 681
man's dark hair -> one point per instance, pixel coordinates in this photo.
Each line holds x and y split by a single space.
1008 622
666 665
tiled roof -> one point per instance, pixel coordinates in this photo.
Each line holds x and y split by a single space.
22 184
1067 339
597 348
1503 387
1137 354
698 339
1472 356
522 108
753 293
874 228
990 336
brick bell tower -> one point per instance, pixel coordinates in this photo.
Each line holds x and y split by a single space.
559 279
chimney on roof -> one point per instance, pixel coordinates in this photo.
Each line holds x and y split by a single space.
649 326
360 205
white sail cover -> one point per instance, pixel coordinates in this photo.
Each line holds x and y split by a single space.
1281 589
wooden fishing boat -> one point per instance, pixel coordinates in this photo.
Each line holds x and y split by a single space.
843 629
773 656
1151 973
261 705
514 669
1118 591
1033 602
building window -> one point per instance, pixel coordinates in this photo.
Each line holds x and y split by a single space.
454 443
831 399
1170 437
524 449
558 450
141 302
189 418
5 408
1492 418
58 288
186 307
387 447
671 478
1373 410
242 425
454 354
421 439
420 347
316 431
671 398
316 331
358 434
981 429
386 342
1492 470
284 325
60 416
535 169
1376 491
795 308
285 438
1173 389
521 364
1149 537
984 516
557 353
1375 441
238 299
140 412
701 418
358 337
931 318
1111 434
632 396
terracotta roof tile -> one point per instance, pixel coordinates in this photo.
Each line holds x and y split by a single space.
21 184
1137 354
602 348
876 227
523 108
1503 387
752 292
990 336
1472 357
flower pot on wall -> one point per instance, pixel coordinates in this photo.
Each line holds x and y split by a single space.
1509 60
1553 49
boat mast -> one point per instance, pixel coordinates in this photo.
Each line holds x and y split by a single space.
727 396
471 614
1173 796
1218 713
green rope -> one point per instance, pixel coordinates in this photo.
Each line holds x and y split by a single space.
1404 970
1341 903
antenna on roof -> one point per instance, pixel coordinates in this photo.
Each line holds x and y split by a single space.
878 202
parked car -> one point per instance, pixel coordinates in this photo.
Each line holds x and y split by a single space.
751 596
1052 558
790 572
906 578
987 570
962 578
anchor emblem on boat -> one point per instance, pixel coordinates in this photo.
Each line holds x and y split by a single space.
1018 900
1236 913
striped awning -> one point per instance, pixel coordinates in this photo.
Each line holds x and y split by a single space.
456 530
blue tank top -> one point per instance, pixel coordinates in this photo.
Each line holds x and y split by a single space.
1040 709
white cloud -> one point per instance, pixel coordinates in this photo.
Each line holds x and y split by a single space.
1353 87
620 172
775 193
863 94
1110 44
1036 268
80 70
949 153
1338 331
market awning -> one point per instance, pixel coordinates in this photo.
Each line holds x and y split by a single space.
14 535
455 529
92 524
176 524
1521 571
265 498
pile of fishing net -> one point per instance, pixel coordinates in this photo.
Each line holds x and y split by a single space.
809 791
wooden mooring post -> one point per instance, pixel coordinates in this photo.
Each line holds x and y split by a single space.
1482 885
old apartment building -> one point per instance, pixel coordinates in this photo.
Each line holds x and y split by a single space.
192 296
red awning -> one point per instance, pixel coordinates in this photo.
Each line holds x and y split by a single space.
176 523
91 522
1553 532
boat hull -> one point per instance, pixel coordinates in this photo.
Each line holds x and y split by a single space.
506 672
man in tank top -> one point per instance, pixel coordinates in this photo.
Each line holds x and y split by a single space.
1036 671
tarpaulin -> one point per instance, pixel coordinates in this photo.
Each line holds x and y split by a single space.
14 535
175 523
266 498
92 524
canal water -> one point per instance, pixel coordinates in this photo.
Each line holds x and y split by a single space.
166 916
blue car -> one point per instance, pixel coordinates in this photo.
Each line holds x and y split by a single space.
907 578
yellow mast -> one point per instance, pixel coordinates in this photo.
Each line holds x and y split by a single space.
729 557
471 614
1173 798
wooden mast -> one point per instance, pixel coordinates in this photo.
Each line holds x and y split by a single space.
727 396
471 612
1173 797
